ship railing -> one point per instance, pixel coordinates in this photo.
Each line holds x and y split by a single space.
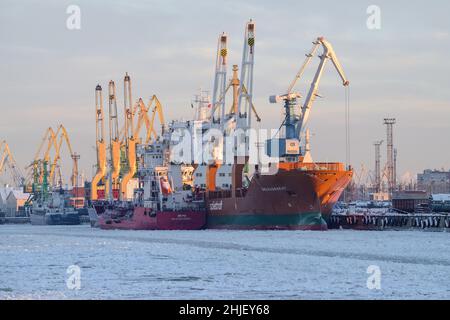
220 194
322 166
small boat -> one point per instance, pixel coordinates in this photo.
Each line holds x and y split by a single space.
44 215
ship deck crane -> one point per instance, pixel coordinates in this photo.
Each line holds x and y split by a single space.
294 123
100 143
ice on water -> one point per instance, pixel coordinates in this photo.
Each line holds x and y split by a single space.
212 264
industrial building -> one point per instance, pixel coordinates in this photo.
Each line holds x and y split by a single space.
410 201
15 202
434 181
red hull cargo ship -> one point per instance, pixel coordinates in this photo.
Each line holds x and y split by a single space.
301 194
298 197
141 218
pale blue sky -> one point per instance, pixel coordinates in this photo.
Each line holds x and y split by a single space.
49 72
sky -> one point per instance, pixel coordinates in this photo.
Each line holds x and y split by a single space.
400 70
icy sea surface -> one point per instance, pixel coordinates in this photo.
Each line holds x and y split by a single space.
211 264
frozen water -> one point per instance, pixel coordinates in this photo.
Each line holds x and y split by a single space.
212 264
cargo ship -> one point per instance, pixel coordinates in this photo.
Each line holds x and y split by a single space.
52 211
299 194
158 204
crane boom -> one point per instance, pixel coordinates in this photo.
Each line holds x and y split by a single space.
304 65
220 79
7 157
328 53
246 96
156 109
130 141
294 123
100 142
64 136
114 135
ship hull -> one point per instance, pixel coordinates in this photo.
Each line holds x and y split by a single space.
55 219
298 197
141 218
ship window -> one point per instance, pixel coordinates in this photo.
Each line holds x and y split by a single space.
221 174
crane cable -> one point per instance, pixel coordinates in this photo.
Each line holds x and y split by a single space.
347 126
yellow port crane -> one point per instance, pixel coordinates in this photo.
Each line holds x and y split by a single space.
56 160
35 175
7 158
114 138
51 138
129 137
155 106
100 143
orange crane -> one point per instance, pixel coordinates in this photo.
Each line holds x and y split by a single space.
130 141
6 157
36 174
114 137
51 141
100 143
56 160
143 118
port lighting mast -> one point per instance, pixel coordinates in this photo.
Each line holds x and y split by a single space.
294 122
218 105
130 140
389 122
377 145
100 142
114 139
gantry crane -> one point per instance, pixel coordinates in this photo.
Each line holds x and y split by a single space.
294 122
7 158
130 141
100 143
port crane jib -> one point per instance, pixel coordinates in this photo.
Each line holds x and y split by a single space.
7 158
294 122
